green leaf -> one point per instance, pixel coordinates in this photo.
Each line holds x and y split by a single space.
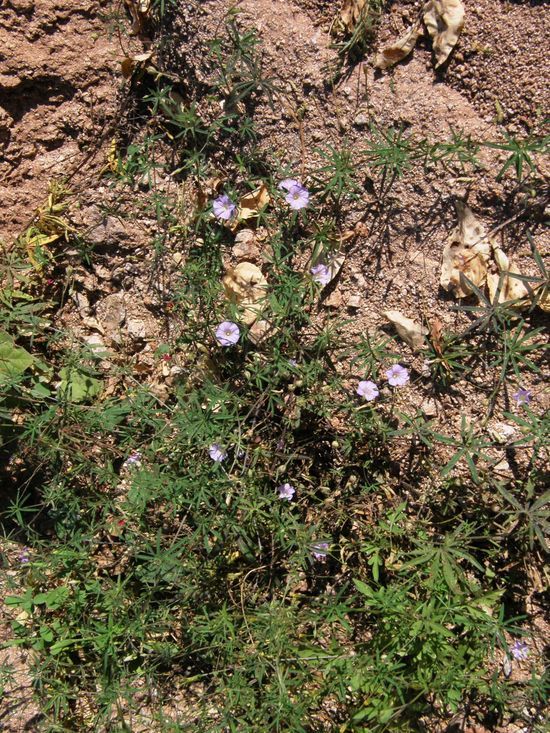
40 390
46 633
78 386
62 644
363 588
14 360
15 600
53 599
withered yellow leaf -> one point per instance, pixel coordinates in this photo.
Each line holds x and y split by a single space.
444 21
511 288
466 252
246 286
411 332
251 203
352 13
473 252
399 50
543 295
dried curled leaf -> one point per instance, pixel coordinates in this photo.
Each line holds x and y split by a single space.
333 265
251 203
542 295
129 63
411 332
351 14
444 21
399 50
472 252
139 10
510 288
467 252
261 331
246 286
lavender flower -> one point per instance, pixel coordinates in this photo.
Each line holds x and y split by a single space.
298 197
397 375
217 453
288 183
23 556
522 396
223 207
321 274
227 333
286 491
519 650
133 460
368 390
319 550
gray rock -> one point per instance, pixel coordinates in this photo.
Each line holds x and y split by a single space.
105 230
111 314
137 328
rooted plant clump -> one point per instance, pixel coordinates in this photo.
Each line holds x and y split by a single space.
274 437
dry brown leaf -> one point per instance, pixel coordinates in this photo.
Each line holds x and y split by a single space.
129 63
334 300
472 252
351 13
411 332
511 288
436 335
544 299
334 264
246 286
444 20
251 203
127 66
200 192
399 50
467 252
139 10
260 331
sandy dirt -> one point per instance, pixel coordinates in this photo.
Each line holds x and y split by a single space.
59 75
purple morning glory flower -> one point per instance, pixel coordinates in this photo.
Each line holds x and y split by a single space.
522 396
286 491
223 207
519 650
397 375
319 550
24 556
217 453
288 183
227 333
297 197
133 460
321 274
368 390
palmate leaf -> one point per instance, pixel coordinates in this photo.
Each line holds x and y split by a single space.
14 360
79 386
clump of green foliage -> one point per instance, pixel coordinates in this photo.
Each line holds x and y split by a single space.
378 594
